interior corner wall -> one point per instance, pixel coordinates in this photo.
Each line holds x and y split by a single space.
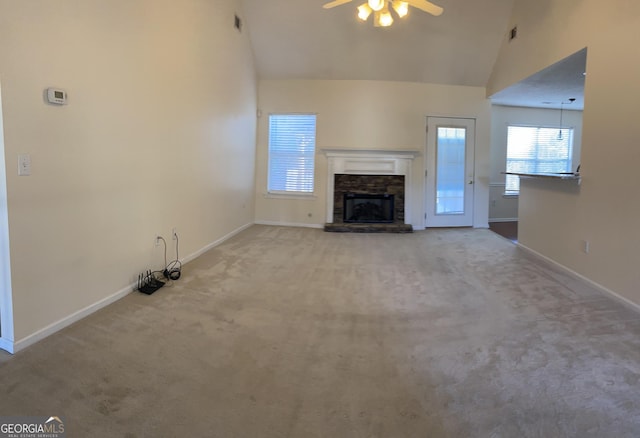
367 115
158 132
556 219
506 207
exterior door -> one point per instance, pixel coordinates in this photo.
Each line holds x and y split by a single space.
449 172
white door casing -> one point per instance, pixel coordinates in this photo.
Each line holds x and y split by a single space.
449 172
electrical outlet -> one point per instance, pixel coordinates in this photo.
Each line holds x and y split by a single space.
174 233
584 244
157 240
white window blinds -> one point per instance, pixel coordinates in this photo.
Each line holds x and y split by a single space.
533 149
292 147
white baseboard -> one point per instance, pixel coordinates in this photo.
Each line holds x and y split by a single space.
83 313
212 245
600 288
74 317
289 224
503 219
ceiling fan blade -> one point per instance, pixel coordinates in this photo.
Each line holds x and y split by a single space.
335 3
426 6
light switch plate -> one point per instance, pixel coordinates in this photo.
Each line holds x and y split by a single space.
24 165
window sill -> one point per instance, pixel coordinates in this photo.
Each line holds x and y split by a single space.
292 195
511 195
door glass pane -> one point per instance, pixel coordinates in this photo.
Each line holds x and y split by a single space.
450 172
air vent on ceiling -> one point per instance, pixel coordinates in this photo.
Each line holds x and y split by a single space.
237 23
513 33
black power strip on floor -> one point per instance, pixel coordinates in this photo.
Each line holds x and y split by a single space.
148 283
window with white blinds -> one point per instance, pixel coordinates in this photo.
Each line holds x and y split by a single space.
533 149
292 149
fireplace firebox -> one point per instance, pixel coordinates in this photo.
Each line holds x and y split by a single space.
368 208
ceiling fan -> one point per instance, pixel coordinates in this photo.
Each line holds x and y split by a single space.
380 9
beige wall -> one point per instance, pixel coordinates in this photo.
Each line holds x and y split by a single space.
604 210
159 132
367 115
506 207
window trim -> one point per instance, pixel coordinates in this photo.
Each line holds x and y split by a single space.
275 194
284 194
513 193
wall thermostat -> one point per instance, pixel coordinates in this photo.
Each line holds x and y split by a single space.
56 96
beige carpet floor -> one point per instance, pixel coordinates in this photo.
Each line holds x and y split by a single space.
286 332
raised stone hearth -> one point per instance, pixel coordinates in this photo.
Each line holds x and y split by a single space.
368 228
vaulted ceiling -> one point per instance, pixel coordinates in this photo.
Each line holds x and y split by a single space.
298 39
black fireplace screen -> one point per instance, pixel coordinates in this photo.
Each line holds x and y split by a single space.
367 208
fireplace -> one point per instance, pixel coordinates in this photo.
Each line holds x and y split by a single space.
374 174
372 194
363 208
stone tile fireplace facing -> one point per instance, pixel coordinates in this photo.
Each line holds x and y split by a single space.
371 174
368 185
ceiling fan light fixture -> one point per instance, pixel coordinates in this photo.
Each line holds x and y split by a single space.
383 18
364 11
377 5
381 9
401 7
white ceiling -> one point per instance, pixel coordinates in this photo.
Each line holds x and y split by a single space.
557 83
298 39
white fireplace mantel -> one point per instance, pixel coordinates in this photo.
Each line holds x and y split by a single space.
369 162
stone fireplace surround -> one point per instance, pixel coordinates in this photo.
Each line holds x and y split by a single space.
368 162
368 185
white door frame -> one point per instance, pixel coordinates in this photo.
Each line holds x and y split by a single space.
470 171
6 298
